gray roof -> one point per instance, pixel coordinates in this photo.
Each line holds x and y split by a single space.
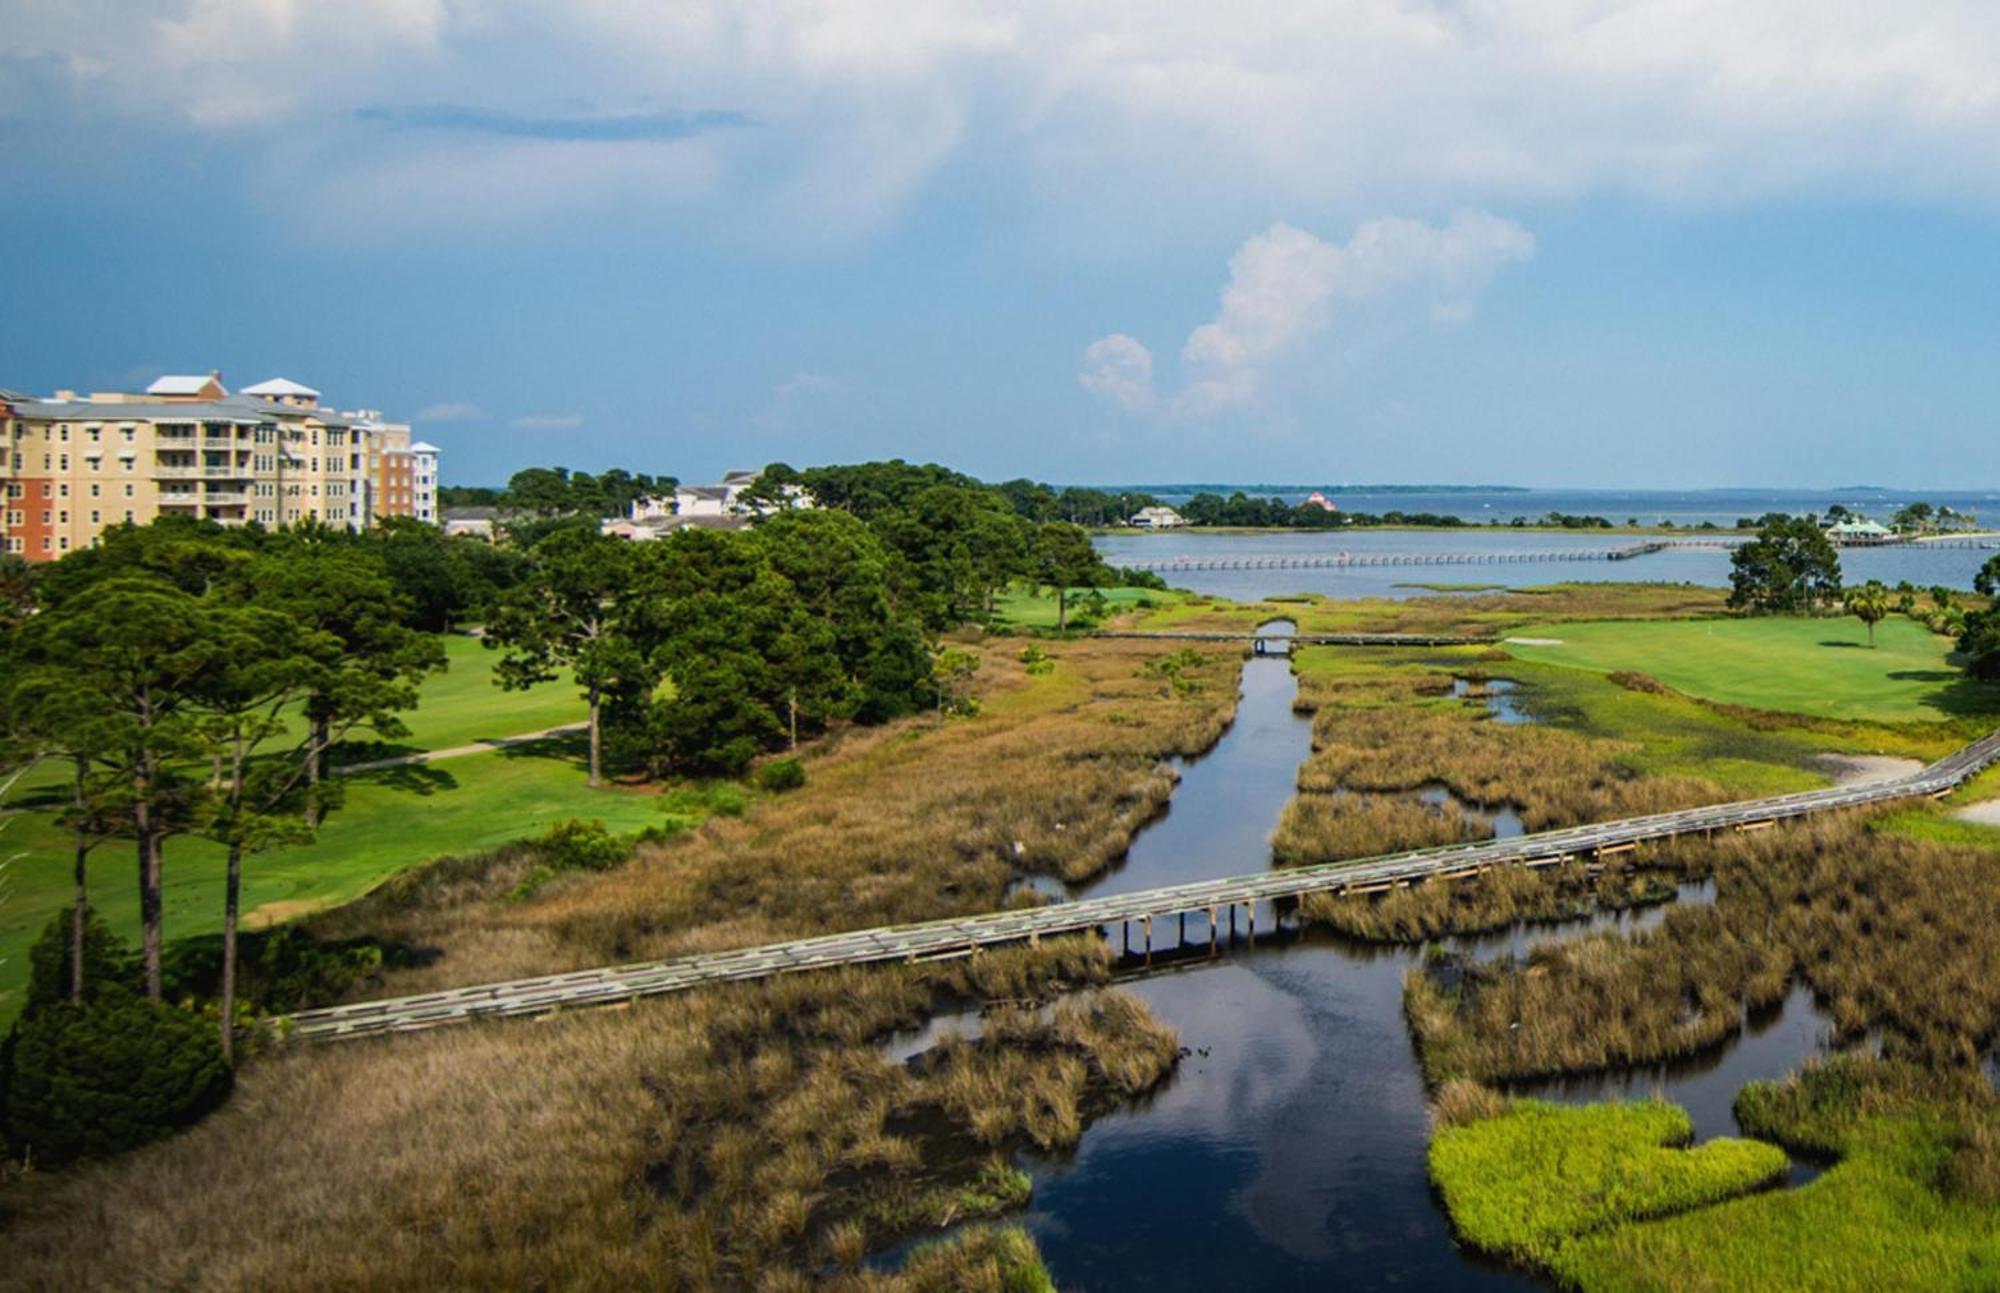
705 491
233 408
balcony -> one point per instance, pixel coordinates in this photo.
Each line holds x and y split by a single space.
176 471
225 498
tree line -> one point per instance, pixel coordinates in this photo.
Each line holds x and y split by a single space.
193 680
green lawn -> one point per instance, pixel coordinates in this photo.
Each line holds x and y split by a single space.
1034 609
392 820
461 705
1821 667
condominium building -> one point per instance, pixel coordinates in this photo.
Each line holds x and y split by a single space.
72 465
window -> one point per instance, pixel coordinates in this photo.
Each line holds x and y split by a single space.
65 432
94 489
64 545
96 435
128 489
128 518
95 519
63 489
127 433
65 462
63 517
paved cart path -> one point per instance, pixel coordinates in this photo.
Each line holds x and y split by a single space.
457 751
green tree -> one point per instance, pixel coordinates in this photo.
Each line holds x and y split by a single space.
130 654
575 611
1789 568
1979 644
366 659
268 663
1063 558
1915 517
545 491
1987 582
1869 603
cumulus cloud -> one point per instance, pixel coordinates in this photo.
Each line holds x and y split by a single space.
1120 368
1287 288
1082 104
548 422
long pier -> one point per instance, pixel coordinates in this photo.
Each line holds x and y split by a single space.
949 938
1356 561
1348 560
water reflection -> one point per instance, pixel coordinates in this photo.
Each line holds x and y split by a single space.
1288 1149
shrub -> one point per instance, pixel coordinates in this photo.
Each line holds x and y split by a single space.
781 775
110 1074
106 960
577 845
1036 660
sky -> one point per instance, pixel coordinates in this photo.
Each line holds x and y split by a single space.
1671 243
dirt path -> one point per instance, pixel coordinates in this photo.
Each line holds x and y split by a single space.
456 751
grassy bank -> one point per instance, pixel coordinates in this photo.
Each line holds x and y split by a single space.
740 1136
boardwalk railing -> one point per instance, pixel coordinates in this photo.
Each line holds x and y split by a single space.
941 939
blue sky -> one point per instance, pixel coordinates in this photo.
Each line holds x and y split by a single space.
1556 242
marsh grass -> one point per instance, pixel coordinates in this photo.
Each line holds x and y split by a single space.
743 1136
1892 934
1503 898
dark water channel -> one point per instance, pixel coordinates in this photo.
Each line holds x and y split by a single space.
1288 1149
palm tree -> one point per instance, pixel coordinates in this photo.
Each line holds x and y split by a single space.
1869 604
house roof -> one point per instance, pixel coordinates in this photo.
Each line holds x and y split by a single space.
276 387
183 384
704 491
425 446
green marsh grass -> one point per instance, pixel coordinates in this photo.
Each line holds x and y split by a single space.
1526 1182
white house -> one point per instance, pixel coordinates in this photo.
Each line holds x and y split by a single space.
725 499
1157 518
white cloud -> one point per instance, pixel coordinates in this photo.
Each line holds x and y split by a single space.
449 411
1087 105
1119 368
1287 287
548 422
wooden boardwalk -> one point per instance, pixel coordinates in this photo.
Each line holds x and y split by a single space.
942 939
1304 639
